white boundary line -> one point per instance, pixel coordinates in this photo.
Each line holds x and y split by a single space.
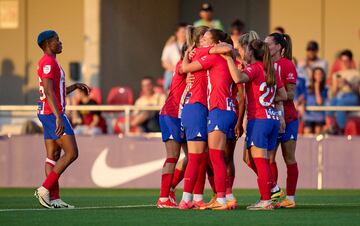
79 208
151 205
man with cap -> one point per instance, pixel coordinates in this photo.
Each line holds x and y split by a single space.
311 61
206 15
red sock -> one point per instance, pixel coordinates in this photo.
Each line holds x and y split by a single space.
55 191
200 182
274 171
166 179
178 176
219 166
252 166
50 180
191 171
229 184
264 177
292 178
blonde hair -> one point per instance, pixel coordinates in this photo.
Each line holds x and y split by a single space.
247 38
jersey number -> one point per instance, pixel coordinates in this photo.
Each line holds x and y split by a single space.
268 91
41 90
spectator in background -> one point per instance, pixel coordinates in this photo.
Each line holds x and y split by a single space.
338 66
88 122
206 15
279 30
312 61
171 53
344 88
316 95
236 30
147 121
300 95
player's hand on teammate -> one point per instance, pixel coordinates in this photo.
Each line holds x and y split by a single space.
239 130
83 87
59 131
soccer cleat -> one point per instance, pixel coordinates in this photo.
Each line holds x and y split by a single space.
277 196
286 203
261 205
167 204
58 203
172 197
215 206
183 205
212 200
43 195
232 204
198 204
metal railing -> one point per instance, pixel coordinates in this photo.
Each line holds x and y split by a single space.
30 110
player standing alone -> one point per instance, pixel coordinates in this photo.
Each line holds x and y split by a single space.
58 133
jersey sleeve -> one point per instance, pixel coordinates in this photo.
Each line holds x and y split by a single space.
290 73
47 69
250 72
207 61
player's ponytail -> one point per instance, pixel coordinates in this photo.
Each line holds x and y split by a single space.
189 35
261 53
288 48
268 66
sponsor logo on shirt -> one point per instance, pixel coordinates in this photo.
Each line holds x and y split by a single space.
290 76
47 69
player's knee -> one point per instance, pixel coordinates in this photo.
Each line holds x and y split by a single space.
290 161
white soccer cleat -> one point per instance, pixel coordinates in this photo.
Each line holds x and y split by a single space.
261 205
43 195
58 203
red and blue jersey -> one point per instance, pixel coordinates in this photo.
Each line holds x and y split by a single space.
174 101
288 74
198 90
220 82
260 97
49 68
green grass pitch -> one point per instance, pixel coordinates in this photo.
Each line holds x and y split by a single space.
136 207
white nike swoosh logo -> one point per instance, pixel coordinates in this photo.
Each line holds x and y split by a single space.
106 176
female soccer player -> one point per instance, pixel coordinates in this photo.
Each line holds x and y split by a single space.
281 53
193 118
172 133
58 132
222 117
263 121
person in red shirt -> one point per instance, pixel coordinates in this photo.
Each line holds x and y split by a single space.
280 49
263 88
173 135
58 133
222 117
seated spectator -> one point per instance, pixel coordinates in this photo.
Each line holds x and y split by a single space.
148 121
316 96
88 122
337 66
171 53
311 61
344 88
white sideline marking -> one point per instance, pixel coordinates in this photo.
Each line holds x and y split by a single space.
79 208
151 205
